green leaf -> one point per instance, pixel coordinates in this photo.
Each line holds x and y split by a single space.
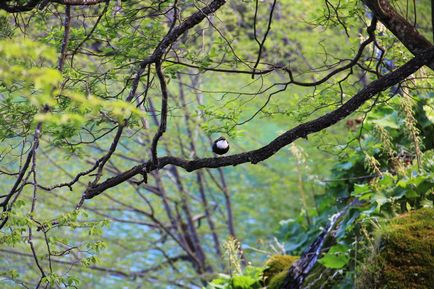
363 192
243 282
336 258
387 121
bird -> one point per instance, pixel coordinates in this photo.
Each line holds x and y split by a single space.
220 146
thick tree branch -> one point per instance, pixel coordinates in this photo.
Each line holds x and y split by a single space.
4 5
400 27
179 30
174 33
301 131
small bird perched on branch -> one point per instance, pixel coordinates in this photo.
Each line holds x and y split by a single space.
220 146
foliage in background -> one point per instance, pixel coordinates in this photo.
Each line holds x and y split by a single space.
127 236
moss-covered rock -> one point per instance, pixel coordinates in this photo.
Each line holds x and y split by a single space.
404 257
276 265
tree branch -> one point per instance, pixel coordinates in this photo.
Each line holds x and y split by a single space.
111 271
64 47
400 27
163 117
300 131
33 3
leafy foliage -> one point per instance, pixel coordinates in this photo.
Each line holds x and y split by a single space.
91 196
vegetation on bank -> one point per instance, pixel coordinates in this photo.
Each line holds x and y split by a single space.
110 113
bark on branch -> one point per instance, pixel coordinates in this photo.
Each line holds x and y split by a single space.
179 30
400 27
32 4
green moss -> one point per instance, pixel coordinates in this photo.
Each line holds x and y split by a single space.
275 265
404 258
277 280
